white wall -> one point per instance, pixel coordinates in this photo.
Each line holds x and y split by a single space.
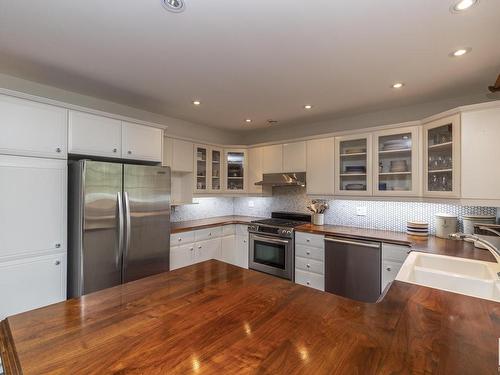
176 127
364 120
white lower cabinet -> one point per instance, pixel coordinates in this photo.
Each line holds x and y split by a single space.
225 243
31 283
393 257
309 260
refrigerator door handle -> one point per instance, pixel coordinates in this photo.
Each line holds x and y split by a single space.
120 228
127 229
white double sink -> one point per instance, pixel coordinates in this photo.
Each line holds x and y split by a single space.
465 276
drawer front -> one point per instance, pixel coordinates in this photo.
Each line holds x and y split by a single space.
207 234
310 265
182 238
228 230
310 252
314 240
310 279
241 230
396 253
389 272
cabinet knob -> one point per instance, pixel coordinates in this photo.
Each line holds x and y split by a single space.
199 247
58 150
57 262
244 241
191 249
308 283
210 233
129 152
388 269
308 252
115 150
308 240
179 239
57 245
308 265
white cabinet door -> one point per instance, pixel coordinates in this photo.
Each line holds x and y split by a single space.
294 157
33 205
94 135
242 251
228 250
396 164
236 174
480 141
254 169
320 159
31 283
32 129
141 142
181 256
178 155
206 250
272 159
442 157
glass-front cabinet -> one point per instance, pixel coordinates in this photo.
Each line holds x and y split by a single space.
395 162
442 157
353 169
236 170
208 169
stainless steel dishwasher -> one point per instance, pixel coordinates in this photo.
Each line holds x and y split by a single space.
352 268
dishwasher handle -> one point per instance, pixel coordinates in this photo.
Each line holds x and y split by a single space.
356 243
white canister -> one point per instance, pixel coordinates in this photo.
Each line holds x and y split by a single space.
446 224
318 219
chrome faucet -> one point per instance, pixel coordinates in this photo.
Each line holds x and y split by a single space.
490 230
488 245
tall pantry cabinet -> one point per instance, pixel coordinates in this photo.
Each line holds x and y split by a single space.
33 185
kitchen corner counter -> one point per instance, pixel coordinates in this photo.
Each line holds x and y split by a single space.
213 318
432 244
185 226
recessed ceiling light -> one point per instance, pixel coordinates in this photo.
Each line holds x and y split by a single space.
248 120
463 5
308 106
398 85
196 102
175 6
460 52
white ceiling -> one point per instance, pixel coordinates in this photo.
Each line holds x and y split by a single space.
257 59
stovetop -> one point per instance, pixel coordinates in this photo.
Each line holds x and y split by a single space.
280 222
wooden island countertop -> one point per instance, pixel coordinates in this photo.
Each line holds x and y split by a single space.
215 318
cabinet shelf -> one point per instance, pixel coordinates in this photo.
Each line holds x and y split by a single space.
441 145
352 174
235 178
399 151
440 171
353 154
394 173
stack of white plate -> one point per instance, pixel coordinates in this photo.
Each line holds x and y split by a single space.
417 228
396 144
470 220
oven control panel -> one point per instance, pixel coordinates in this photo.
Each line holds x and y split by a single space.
276 231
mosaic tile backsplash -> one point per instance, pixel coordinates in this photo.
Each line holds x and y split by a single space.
385 215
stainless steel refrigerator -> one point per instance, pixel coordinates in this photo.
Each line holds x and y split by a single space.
118 224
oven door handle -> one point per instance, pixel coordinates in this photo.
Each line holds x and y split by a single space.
267 239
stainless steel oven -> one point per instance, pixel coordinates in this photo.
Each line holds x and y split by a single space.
272 254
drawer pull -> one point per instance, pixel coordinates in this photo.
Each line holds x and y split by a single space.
191 248
179 239
308 240
129 152
308 252
199 246
57 262
58 245
210 233
58 150
308 283
388 269
308 265
115 150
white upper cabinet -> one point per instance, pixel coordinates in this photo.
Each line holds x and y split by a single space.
94 135
396 162
272 159
294 157
236 170
353 165
33 206
254 169
442 157
480 145
178 155
32 129
141 142
320 159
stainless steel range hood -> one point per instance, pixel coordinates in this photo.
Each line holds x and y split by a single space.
283 179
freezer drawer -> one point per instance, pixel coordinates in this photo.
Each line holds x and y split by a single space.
352 268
